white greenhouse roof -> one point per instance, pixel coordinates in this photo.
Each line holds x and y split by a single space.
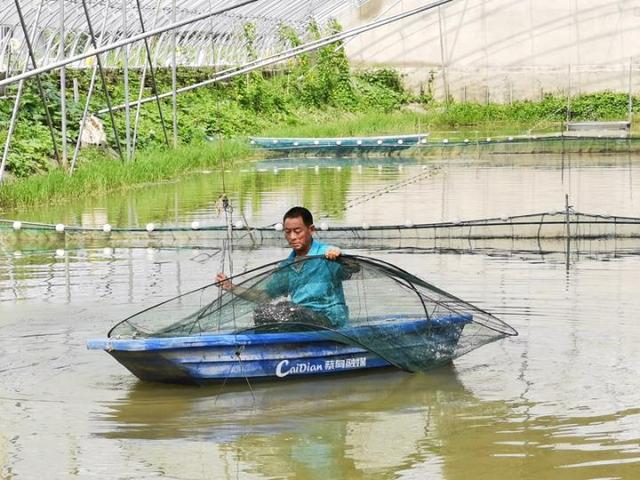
216 40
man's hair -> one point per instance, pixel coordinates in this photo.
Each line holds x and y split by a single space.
302 212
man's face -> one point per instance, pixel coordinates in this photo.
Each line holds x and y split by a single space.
298 235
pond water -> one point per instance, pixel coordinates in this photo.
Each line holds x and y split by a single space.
561 400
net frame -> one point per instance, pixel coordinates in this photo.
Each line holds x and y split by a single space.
426 328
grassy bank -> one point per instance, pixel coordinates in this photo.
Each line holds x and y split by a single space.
103 175
99 174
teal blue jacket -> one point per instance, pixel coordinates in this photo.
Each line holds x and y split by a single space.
314 283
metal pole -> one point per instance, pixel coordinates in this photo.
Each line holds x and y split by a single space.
63 88
122 43
16 104
154 87
174 79
103 78
568 96
127 110
141 91
85 112
443 57
39 82
138 104
279 57
630 107
568 224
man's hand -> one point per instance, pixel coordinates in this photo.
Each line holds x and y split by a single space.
224 282
332 253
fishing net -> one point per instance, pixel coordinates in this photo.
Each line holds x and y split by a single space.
354 300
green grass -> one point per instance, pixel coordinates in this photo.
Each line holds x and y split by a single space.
334 123
104 175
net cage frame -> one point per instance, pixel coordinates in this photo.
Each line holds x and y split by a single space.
435 327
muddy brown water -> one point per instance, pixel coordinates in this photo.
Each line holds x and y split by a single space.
561 400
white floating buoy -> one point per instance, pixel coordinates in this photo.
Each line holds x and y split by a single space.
275 141
365 226
17 253
446 140
60 228
195 225
239 225
424 167
316 168
275 170
488 139
379 142
106 228
408 223
338 142
60 252
278 227
252 142
150 227
295 144
466 140
424 140
17 225
510 139
339 168
107 252
324 226
358 142
400 142
316 142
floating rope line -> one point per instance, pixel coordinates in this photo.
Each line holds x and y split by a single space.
536 225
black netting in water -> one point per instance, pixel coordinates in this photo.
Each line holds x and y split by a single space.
354 300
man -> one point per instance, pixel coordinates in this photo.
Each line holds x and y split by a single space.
313 286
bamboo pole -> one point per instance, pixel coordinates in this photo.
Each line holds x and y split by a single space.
41 91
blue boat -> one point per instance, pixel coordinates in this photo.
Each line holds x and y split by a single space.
211 358
391 319
340 145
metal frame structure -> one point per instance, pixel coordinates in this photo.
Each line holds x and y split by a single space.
200 33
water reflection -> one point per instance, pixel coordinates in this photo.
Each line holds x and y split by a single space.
343 427
379 425
65 275
457 188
